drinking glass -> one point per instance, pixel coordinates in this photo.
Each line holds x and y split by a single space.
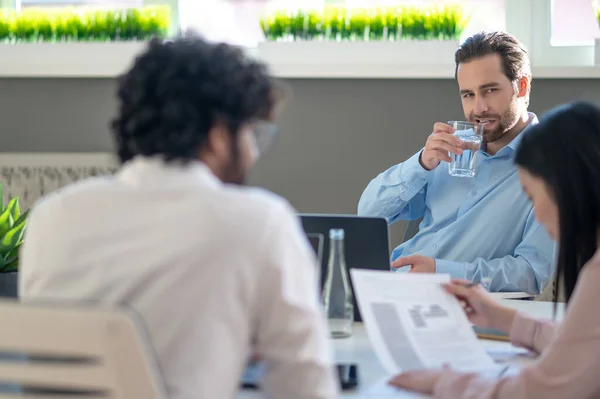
471 134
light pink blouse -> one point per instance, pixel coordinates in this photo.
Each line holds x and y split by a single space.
569 362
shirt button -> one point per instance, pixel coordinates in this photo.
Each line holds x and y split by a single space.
434 246
474 193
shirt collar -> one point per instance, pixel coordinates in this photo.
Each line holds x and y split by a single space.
154 169
514 144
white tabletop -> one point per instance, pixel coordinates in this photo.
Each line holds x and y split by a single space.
357 349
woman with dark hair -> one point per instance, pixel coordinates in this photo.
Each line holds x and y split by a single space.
559 167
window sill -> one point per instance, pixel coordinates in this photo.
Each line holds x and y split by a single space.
358 60
415 72
67 60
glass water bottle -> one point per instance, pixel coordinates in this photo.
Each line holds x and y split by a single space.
337 291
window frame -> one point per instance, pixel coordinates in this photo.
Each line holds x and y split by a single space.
8 4
174 5
530 21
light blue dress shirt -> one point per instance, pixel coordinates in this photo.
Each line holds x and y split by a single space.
475 228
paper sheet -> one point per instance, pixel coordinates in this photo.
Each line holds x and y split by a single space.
511 295
509 354
413 323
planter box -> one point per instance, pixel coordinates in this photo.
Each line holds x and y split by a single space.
76 59
406 59
400 53
8 284
597 52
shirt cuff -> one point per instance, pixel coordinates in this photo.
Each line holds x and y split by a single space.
522 330
454 269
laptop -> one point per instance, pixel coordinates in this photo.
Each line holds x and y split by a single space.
366 242
366 247
317 241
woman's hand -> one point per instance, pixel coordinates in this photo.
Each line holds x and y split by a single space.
481 309
421 381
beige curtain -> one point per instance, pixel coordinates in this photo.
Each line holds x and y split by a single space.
31 183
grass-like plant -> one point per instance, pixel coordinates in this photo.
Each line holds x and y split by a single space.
83 24
337 23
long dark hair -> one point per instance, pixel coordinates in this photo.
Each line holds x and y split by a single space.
564 151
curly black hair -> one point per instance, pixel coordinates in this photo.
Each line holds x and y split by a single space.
177 90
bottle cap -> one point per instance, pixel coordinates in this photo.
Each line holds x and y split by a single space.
336 234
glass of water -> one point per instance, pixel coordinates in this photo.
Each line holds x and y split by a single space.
470 134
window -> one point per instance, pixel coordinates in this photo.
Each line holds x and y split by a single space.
231 21
545 27
558 33
484 15
574 22
238 21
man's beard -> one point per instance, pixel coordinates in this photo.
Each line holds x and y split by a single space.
505 123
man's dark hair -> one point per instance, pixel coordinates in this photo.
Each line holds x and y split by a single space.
178 90
515 60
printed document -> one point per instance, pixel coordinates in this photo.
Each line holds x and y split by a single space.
414 324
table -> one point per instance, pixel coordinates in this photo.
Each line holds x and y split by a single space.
357 349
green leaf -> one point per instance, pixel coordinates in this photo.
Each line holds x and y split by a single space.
11 267
12 255
14 207
6 222
10 262
22 217
1 197
12 238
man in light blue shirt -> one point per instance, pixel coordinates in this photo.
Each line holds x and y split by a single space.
481 228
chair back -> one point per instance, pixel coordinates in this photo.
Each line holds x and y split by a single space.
55 351
412 228
549 294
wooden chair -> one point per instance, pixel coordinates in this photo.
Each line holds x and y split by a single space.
53 351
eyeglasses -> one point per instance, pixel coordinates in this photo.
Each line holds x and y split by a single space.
264 134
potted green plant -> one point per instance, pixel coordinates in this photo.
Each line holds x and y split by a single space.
378 25
12 229
398 36
83 25
77 41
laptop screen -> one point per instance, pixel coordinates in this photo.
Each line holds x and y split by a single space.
316 241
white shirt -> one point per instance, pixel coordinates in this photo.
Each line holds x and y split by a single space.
214 270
